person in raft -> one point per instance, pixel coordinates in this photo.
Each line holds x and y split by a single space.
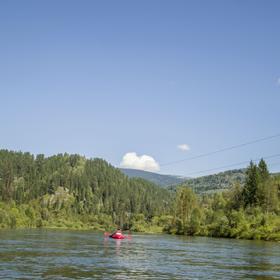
117 232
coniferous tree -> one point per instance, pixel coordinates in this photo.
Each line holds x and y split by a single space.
263 171
251 185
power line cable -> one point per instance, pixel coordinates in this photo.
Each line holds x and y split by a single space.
231 165
223 150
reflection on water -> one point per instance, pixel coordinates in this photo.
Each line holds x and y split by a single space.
117 242
59 254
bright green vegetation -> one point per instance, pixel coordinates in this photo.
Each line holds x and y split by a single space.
249 212
70 191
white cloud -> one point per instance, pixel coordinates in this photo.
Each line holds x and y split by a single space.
183 147
144 162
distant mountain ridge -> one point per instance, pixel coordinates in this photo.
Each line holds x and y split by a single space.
219 181
158 179
204 184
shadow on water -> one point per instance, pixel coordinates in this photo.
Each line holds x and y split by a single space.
61 254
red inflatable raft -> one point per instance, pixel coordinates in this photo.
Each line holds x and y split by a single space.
117 235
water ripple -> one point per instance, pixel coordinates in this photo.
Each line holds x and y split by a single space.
59 254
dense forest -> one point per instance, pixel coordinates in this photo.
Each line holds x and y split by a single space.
70 191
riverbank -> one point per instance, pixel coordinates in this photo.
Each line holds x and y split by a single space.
268 234
250 224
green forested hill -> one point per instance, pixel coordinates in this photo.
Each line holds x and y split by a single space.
158 179
66 185
215 182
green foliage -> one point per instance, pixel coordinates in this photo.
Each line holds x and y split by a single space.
249 193
249 212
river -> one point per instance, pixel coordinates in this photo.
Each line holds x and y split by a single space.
64 254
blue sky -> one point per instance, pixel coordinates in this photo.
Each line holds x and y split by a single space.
107 78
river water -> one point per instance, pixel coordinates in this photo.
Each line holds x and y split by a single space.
61 254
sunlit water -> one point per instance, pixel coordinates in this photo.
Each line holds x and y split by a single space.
59 254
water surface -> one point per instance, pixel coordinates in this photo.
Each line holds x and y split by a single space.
61 254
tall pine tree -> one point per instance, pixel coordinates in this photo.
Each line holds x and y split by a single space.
249 193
